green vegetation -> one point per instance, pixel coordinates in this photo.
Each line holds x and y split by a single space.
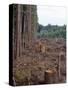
51 31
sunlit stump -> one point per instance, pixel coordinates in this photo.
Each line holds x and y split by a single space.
50 76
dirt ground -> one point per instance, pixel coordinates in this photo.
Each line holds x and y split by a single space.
42 57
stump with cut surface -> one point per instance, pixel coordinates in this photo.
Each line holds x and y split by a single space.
50 76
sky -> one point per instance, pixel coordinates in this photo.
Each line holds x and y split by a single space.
51 15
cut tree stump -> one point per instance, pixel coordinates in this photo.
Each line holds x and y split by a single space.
50 76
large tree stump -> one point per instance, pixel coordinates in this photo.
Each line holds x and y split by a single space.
50 76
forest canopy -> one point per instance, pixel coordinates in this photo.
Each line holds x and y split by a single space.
51 31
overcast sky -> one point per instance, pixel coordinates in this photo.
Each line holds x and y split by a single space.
51 15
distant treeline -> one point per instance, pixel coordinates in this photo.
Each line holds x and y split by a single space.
51 31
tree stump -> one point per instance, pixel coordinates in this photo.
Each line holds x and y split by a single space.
50 76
